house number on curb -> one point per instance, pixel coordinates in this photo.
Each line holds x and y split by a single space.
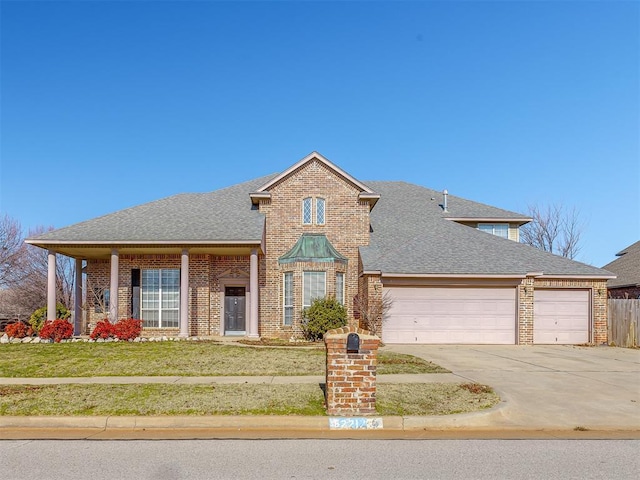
355 423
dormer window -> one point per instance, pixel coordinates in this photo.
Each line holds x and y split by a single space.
308 211
497 229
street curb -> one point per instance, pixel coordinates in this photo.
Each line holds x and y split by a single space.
283 427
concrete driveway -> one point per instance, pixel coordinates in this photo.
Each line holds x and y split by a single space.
547 386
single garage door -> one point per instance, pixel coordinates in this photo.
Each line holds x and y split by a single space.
561 316
451 315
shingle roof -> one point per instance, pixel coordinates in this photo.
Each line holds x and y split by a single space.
410 232
411 235
218 216
626 267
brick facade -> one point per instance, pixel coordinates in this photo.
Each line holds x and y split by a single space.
346 227
624 292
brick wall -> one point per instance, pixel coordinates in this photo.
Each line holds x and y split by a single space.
346 227
351 377
624 292
204 288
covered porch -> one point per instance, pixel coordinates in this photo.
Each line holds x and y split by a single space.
195 277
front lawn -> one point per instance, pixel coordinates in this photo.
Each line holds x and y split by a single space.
236 399
179 358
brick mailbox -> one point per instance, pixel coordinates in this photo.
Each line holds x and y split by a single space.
351 371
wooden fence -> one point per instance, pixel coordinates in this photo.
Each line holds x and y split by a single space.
623 322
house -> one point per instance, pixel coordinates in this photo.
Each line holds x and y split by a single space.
627 269
245 260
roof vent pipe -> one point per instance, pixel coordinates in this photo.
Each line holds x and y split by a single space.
445 202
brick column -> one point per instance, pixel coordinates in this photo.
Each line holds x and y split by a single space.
351 377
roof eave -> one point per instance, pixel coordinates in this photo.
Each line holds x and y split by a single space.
521 221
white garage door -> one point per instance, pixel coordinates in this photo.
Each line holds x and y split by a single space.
451 315
561 316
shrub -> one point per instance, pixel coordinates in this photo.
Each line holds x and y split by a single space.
58 329
103 329
323 314
40 316
18 330
124 329
127 329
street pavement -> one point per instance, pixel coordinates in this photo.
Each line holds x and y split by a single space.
546 392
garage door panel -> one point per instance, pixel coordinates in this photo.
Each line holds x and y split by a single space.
561 316
451 315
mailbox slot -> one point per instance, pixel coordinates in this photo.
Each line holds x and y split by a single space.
353 343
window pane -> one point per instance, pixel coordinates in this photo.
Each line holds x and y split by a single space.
160 297
150 318
320 211
306 211
314 286
288 298
340 287
501 230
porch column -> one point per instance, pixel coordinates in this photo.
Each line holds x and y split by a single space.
184 294
253 291
77 299
113 288
51 286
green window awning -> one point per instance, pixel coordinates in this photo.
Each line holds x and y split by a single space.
312 247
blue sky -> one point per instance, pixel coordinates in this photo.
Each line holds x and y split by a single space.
110 104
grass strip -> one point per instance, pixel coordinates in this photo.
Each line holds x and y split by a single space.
179 358
236 399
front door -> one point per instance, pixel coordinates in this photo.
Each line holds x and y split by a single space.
234 310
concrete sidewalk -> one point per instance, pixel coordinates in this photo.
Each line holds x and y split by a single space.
275 380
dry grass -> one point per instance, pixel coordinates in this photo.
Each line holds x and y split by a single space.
234 399
179 358
432 399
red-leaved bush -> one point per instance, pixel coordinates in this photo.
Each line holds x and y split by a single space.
17 330
103 329
128 329
57 329
124 329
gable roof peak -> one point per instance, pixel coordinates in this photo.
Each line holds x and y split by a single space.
366 193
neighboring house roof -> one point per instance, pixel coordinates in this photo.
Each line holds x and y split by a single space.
224 215
312 247
626 267
411 235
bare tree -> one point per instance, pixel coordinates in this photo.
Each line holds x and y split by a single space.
24 271
12 252
372 312
553 229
